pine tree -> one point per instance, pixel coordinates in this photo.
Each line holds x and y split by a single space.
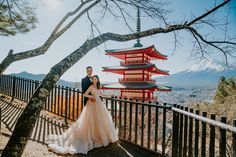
16 17
225 89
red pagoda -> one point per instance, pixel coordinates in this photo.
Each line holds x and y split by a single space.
136 70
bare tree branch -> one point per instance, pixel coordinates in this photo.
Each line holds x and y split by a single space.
211 43
57 32
208 12
68 15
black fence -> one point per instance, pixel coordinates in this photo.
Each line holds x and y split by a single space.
169 130
198 135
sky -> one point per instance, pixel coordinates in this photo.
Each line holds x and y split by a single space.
49 12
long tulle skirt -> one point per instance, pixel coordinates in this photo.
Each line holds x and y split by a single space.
94 128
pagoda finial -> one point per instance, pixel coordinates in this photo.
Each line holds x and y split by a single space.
138 44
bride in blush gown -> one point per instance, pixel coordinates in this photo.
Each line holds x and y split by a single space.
94 128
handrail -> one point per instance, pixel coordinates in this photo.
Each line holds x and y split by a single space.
134 62
207 120
140 102
136 80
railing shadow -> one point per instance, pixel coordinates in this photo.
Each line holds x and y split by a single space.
44 125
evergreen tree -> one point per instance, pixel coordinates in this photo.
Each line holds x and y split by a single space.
226 88
16 16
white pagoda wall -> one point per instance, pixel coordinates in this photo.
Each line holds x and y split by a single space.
135 75
131 94
139 57
134 72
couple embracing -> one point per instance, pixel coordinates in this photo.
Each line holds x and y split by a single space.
94 127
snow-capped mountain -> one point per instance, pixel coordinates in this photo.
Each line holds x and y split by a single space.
204 75
207 65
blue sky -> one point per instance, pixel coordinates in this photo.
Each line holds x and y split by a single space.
49 14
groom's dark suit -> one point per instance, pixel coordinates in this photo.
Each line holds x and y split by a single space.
86 82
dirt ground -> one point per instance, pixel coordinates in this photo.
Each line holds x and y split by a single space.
33 149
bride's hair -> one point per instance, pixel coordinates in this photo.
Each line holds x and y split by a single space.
98 83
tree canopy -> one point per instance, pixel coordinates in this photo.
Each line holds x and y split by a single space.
16 16
226 88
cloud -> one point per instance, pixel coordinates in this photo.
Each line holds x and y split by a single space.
28 43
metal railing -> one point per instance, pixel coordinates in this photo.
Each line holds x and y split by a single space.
144 124
134 62
146 99
197 135
136 80
169 130
63 101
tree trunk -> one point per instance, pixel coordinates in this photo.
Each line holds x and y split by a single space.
7 61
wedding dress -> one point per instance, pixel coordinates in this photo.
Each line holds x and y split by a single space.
94 128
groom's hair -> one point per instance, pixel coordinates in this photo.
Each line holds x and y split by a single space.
89 67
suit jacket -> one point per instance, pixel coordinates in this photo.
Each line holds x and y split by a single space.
85 85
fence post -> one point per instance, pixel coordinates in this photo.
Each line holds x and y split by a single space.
66 101
36 85
0 118
212 138
82 100
190 140
125 118
196 136
223 139
185 133
175 128
111 107
180 144
203 138
164 131
13 88
234 140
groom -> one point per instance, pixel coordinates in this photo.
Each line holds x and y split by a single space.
86 82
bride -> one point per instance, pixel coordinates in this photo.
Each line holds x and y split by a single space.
94 128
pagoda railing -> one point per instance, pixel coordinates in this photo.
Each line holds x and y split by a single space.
140 98
136 80
167 129
134 62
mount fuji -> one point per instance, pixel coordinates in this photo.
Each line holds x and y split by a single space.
204 75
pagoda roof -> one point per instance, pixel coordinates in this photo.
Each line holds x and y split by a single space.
136 85
150 50
122 68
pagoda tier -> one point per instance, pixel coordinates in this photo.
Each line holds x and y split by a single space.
137 86
148 53
124 69
137 90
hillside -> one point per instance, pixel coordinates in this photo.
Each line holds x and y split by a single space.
39 77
